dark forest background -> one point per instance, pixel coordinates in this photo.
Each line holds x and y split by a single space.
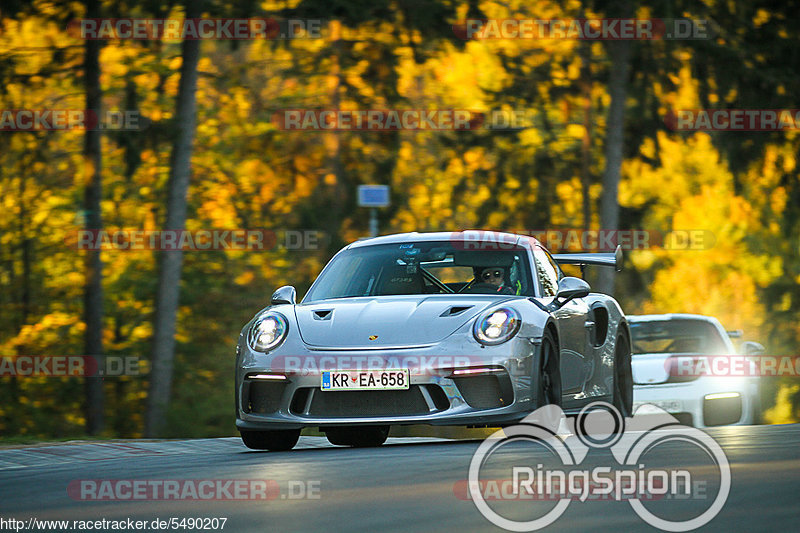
597 153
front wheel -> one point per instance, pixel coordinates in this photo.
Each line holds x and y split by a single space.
358 436
623 377
549 379
276 440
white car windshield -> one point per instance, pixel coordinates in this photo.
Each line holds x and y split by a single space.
677 336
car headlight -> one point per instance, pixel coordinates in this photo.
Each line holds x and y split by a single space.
497 326
268 331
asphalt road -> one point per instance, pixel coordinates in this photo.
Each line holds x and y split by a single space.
405 485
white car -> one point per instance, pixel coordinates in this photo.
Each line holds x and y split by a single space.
664 345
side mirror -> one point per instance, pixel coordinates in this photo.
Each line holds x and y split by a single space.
569 288
285 295
752 348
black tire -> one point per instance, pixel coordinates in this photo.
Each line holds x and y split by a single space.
549 382
277 440
358 437
623 377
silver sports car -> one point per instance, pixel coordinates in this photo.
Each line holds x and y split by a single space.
470 329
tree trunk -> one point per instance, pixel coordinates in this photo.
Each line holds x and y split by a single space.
171 262
586 144
93 291
619 52
334 170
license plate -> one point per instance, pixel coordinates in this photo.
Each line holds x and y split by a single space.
670 406
336 380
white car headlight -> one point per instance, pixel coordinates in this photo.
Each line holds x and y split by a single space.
497 326
268 331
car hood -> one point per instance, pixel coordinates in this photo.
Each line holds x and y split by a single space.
655 368
387 321
650 368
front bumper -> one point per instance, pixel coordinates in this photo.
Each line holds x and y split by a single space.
271 394
705 402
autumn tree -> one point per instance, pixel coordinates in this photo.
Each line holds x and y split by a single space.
170 266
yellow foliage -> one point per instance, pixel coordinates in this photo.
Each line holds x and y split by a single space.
245 278
783 412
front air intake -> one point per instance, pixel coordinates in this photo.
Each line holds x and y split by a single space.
485 391
261 396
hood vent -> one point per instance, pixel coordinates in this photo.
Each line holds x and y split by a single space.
398 321
323 314
456 310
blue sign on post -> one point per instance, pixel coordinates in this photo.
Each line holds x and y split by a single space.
373 195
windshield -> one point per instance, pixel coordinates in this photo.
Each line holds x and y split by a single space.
423 268
677 336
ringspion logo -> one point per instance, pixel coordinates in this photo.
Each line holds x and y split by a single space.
555 470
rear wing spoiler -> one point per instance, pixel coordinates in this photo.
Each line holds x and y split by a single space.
594 259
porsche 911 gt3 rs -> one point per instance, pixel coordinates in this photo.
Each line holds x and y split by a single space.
465 329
